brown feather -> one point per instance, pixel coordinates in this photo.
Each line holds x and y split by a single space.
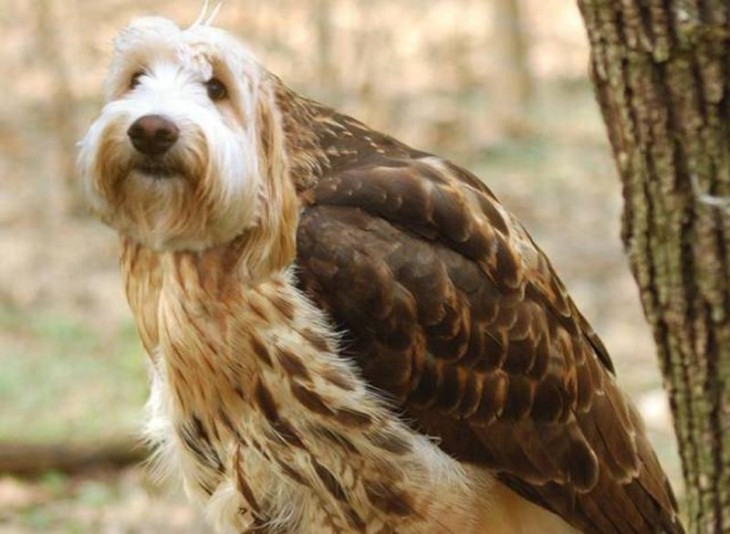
452 309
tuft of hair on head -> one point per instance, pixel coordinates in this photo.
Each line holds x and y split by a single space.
205 19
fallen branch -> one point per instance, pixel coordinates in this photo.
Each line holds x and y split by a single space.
27 460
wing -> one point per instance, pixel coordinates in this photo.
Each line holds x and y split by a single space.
449 307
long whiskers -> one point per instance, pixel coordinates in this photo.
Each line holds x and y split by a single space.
213 14
201 15
205 19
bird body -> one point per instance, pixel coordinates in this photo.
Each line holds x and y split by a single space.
347 334
271 429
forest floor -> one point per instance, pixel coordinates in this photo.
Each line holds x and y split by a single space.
73 369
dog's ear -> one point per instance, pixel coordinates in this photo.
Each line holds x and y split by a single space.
279 210
271 135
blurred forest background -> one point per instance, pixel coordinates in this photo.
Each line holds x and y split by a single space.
499 86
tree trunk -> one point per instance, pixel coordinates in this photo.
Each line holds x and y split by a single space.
61 104
512 79
660 69
322 18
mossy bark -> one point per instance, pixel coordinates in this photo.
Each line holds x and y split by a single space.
661 73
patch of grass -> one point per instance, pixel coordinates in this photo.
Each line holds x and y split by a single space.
95 493
59 380
39 519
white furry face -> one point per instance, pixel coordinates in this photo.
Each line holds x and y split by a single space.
203 185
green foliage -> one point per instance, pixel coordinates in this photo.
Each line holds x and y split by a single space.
62 381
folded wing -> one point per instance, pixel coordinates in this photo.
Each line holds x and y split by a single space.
449 307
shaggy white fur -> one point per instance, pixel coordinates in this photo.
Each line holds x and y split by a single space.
213 182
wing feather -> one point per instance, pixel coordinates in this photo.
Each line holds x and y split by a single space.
451 309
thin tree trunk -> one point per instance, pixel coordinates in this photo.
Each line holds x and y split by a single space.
322 15
512 79
660 68
61 104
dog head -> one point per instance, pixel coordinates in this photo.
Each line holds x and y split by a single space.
187 152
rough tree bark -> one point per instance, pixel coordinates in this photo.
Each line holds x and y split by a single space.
661 73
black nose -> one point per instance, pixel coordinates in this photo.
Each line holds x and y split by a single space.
153 134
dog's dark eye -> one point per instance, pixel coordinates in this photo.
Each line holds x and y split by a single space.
216 90
134 80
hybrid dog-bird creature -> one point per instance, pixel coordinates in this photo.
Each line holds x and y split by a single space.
347 334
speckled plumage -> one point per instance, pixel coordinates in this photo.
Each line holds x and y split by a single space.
369 298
